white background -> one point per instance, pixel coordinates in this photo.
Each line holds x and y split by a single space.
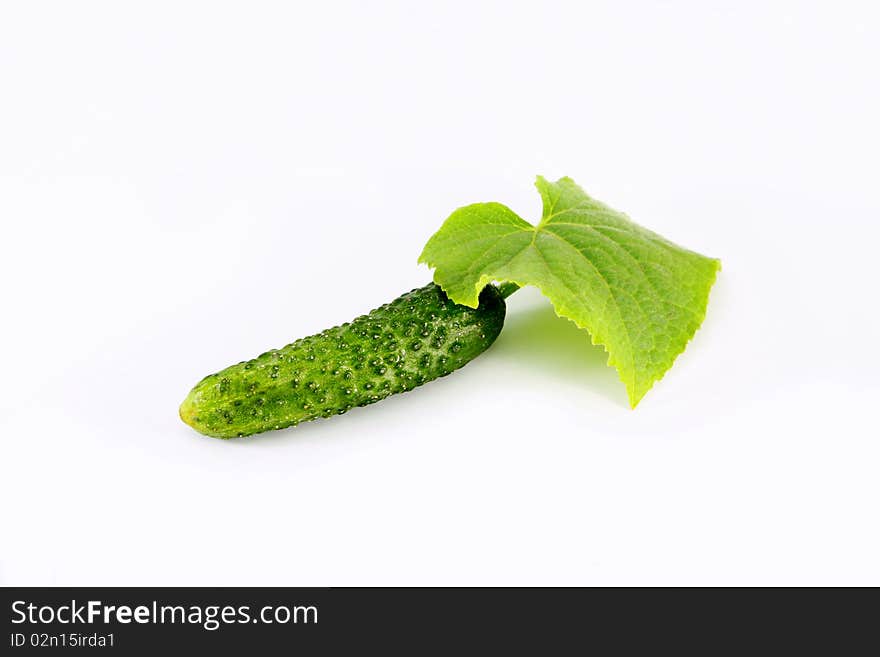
186 185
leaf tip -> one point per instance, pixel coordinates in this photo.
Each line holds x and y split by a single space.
634 398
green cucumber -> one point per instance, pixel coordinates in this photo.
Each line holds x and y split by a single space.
420 336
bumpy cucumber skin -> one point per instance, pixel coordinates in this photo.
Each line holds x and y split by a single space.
420 336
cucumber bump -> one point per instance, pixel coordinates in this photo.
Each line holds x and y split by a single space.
420 336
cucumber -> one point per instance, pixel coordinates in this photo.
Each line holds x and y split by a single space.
420 336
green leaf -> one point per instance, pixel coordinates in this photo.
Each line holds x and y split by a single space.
639 295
